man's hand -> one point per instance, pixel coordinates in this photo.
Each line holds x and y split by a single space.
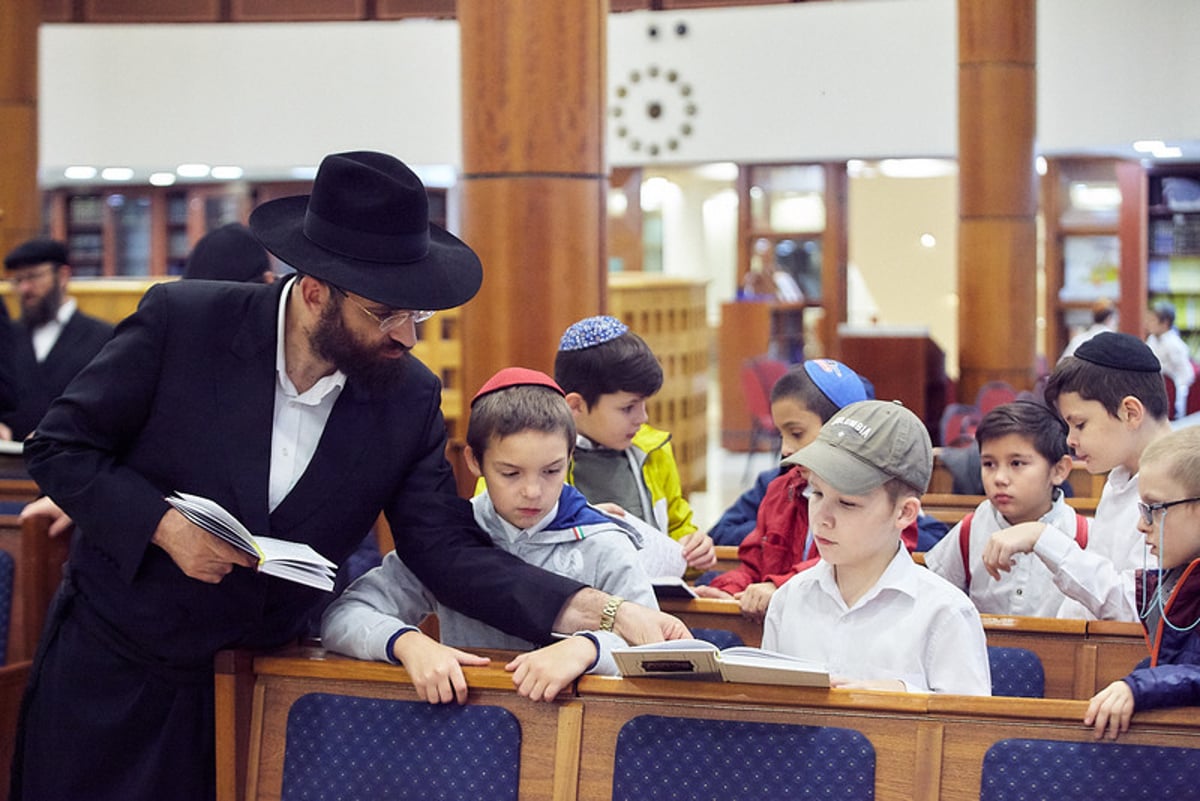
60 521
542 674
435 669
755 599
638 625
699 550
1005 544
1112 709
198 554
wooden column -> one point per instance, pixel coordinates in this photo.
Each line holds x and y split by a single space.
534 179
997 240
20 214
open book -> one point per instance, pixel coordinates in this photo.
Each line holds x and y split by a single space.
702 660
294 561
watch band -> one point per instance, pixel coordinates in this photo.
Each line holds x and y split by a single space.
608 615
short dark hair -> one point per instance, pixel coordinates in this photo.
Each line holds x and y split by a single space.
524 407
796 384
622 364
1165 313
1107 385
1030 419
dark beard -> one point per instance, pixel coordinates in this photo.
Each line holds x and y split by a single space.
44 310
332 341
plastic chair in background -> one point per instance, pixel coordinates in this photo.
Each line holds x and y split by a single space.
957 425
758 376
992 394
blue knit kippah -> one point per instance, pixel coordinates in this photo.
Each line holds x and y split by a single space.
836 381
590 332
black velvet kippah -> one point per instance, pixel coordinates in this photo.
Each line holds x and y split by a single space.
1120 352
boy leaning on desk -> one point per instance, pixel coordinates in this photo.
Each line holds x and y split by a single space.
867 612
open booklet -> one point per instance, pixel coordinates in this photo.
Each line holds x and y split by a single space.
702 660
294 561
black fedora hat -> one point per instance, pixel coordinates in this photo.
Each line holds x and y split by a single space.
365 228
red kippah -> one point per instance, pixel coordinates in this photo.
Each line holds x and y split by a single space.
516 377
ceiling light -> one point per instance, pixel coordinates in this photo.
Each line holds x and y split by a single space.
1148 145
116 173
304 173
192 170
80 173
227 173
162 178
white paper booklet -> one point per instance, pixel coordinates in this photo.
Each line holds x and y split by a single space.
294 561
699 659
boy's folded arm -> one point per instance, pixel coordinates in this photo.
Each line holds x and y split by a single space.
1087 577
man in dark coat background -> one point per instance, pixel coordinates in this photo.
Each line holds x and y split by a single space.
52 340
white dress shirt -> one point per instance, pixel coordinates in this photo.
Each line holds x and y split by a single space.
45 335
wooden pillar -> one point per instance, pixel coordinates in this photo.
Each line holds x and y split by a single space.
534 184
997 240
20 212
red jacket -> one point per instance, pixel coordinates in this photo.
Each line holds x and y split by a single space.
775 550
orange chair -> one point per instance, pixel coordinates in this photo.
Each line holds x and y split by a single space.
992 394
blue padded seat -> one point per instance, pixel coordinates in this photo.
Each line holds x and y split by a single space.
347 748
722 638
1016 672
1024 770
7 574
730 759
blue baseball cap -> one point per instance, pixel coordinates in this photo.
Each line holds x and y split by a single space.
838 382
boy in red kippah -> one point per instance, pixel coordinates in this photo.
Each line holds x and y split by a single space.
519 438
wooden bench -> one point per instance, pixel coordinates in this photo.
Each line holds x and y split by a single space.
39 560
925 747
1079 657
950 508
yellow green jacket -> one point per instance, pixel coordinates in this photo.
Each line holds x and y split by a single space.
661 490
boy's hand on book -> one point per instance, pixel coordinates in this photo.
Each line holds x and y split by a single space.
435 669
705 591
198 554
542 674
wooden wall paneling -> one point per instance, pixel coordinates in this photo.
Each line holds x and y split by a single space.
297 10
151 11
59 11
625 231
401 9
20 204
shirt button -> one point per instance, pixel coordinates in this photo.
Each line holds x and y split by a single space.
1020 592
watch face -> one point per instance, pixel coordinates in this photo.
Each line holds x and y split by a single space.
653 109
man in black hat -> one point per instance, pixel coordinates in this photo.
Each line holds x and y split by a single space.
298 408
53 340
229 253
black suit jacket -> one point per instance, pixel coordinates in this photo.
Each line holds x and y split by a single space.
182 399
39 383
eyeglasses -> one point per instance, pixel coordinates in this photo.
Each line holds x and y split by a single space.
391 321
1147 510
30 276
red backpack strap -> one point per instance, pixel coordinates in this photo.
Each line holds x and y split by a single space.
1081 530
964 545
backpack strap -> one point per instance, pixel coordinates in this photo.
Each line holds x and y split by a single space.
964 545
1081 531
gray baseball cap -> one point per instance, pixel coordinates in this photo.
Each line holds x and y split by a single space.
867 443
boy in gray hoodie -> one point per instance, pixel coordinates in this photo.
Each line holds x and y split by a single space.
519 439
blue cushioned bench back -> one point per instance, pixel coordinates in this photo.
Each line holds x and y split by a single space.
346 748
1016 672
683 758
1024 770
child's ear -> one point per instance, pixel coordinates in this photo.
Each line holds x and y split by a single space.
1131 411
577 403
910 509
1061 469
472 463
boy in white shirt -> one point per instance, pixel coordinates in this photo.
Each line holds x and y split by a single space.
1023 461
866 611
519 437
1172 353
1112 397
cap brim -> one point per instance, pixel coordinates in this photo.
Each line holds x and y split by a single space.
448 276
845 472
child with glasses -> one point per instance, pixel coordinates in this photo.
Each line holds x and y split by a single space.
1169 597
520 437
1112 397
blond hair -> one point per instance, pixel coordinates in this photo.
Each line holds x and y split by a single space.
1179 454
